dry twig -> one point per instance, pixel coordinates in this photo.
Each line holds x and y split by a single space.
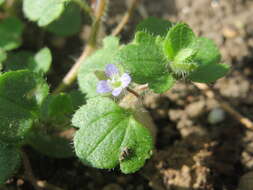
126 18
72 74
225 105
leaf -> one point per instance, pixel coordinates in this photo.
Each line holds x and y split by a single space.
87 79
17 60
57 108
69 22
179 37
50 145
209 73
39 62
3 55
106 130
77 98
207 52
2 1
145 62
9 161
154 26
11 30
43 12
20 94
163 83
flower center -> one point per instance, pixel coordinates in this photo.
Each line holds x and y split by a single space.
115 82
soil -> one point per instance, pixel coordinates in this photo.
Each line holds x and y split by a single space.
191 152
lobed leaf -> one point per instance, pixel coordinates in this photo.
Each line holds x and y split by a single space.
39 62
206 52
20 94
209 73
179 37
105 134
50 145
145 62
11 30
154 26
9 161
57 108
69 22
43 12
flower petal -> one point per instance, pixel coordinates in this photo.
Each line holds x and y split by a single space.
117 91
103 87
111 70
125 80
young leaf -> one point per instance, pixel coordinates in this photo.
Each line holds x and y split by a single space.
69 22
57 108
50 145
43 12
1 2
20 93
209 73
3 55
87 79
9 161
179 37
39 62
154 26
17 60
11 30
105 135
145 62
206 52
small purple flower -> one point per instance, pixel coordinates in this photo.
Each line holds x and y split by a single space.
116 81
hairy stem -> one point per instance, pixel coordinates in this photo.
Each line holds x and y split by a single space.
126 18
28 171
71 76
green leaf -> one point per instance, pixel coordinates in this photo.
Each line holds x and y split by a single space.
78 99
105 135
39 62
209 73
87 79
57 108
179 37
20 93
9 161
43 12
154 26
2 1
145 61
11 30
50 145
206 52
69 22
3 55
163 83
18 60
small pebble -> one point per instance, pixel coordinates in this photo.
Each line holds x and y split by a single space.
112 186
216 115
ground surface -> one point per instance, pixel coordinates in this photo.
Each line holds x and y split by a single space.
191 153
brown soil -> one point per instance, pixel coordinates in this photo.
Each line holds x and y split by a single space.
191 153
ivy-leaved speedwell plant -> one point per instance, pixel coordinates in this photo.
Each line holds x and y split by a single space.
111 129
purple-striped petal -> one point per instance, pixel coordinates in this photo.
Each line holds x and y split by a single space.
103 87
117 91
125 80
111 70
